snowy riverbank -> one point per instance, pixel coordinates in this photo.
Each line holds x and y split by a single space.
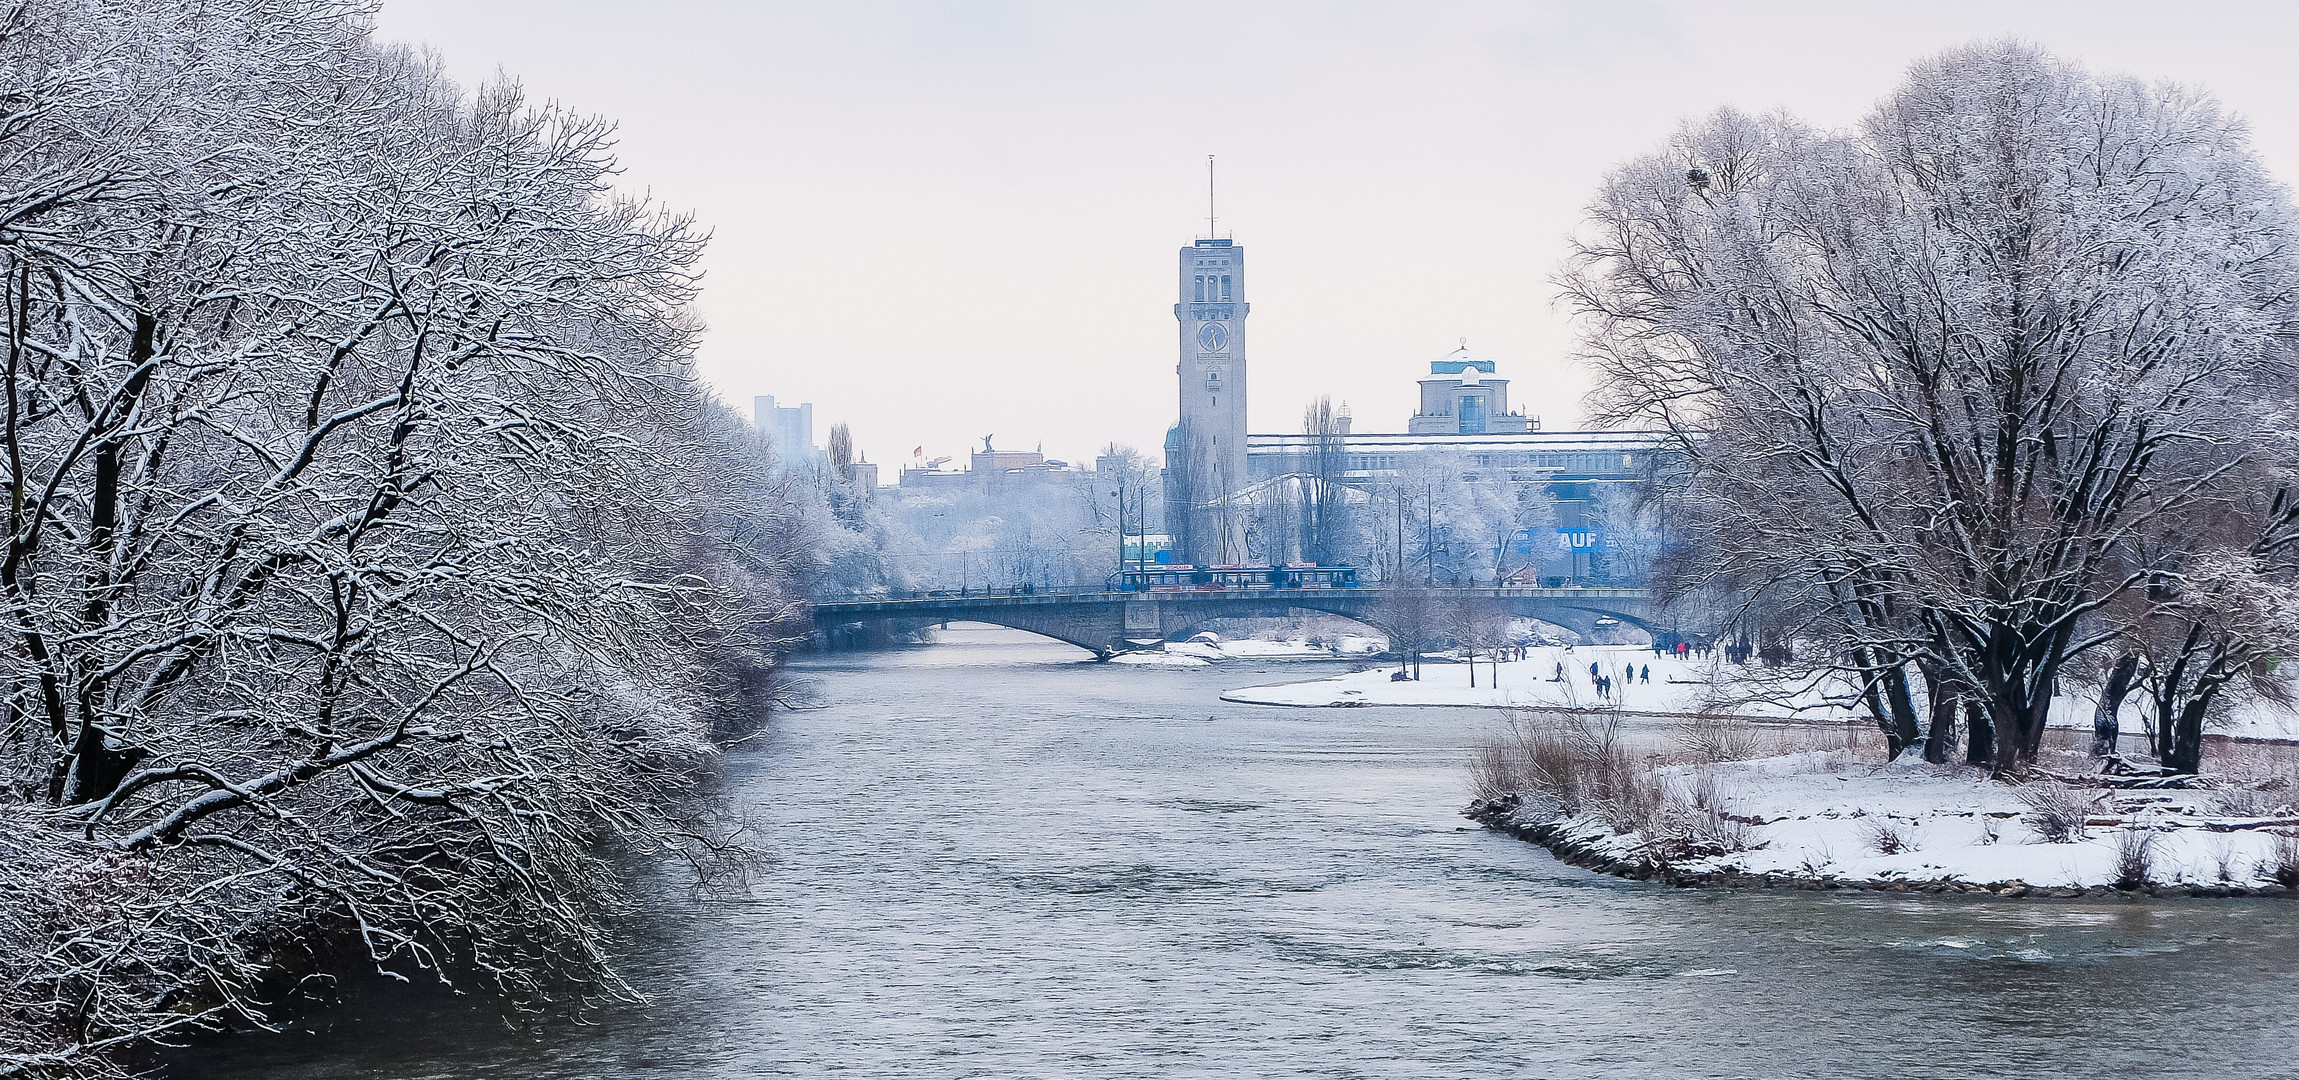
1559 677
1675 687
1208 649
1824 820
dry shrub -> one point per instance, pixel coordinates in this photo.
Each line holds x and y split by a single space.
1568 764
2134 856
1498 767
1638 803
2238 802
2223 857
1700 789
2283 860
2058 811
1571 763
1844 744
1888 837
1717 738
1680 831
2259 779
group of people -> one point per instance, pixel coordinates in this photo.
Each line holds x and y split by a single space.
1736 653
1604 682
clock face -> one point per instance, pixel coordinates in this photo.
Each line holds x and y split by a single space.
1213 337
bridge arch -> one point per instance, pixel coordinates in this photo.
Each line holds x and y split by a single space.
1355 614
1033 627
1051 629
1103 622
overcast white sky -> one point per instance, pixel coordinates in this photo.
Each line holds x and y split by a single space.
942 220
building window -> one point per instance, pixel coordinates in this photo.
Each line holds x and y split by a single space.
1473 415
1225 288
1201 288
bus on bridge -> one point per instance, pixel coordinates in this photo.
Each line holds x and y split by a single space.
1183 577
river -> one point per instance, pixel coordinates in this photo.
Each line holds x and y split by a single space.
994 861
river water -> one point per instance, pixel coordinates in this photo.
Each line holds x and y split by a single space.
994 861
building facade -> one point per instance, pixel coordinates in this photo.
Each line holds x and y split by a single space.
1464 396
1220 482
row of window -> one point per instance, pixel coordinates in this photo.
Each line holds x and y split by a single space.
1213 289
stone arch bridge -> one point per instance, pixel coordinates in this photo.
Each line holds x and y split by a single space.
1105 622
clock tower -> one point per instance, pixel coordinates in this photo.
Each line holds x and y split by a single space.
1208 445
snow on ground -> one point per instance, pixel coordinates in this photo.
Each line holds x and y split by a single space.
1817 814
1255 649
1708 687
1674 686
1151 658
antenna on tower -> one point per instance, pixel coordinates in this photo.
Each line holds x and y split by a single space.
1209 219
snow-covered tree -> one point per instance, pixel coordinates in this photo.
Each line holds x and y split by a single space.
1930 377
1464 524
371 552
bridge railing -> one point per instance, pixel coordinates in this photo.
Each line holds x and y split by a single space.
1024 595
965 593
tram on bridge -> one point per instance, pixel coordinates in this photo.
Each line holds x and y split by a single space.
1182 577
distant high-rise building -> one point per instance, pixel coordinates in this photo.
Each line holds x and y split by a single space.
1205 454
789 431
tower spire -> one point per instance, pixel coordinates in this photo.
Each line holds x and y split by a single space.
1209 218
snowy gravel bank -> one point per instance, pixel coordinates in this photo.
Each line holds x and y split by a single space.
1819 821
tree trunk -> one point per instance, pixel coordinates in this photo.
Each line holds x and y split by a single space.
1903 706
2020 732
95 768
2166 701
2184 739
1980 735
1888 701
2105 727
1944 697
